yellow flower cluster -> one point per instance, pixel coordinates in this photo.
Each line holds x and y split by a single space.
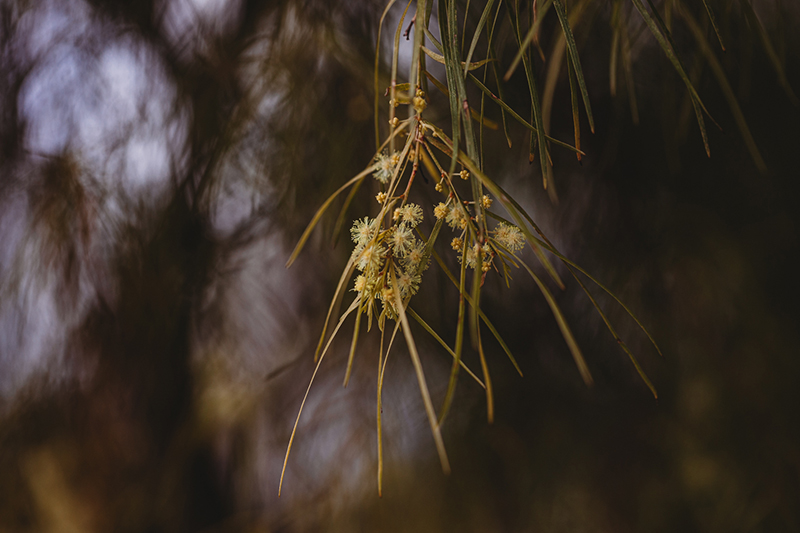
385 166
379 250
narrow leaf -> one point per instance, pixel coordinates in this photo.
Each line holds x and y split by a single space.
467 66
770 50
444 345
563 326
665 41
576 62
377 71
537 111
620 342
713 20
353 344
353 306
478 29
303 238
518 118
483 316
727 91
576 122
423 386
523 46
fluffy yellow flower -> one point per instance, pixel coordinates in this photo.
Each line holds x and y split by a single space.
362 230
440 211
510 237
415 256
411 214
402 240
408 283
456 218
369 258
384 166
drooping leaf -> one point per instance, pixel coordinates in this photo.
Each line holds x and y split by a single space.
576 62
752 18
563 326
727 91
662 35
350 309
713 20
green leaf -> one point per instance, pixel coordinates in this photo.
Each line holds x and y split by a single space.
423 386
483 316
537 111
377 71
576 122
627 63
523 46
612 62
563 326
498 100
444 345
478 29
713 20
497 79
451 384
440 59
307 233
769 49
379 408
620 342
393 84
576 62
421 21
335 302
450 61
485 368
456 84
352 307
353 344
570 266
337 228
727 91
518 118
446 92
552 249
665 41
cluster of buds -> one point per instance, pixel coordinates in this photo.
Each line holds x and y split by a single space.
419 101
504 237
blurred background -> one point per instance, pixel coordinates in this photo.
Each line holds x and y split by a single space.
159 160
